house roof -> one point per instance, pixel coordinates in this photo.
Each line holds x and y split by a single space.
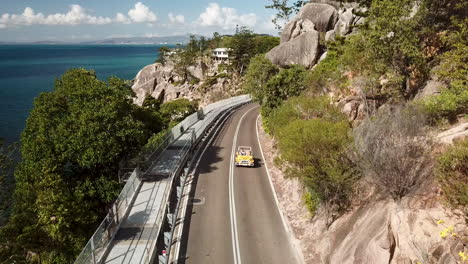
221 49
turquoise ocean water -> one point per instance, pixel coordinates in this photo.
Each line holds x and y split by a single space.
28 70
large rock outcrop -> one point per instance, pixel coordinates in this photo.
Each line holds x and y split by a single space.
163 83
301 48
158 81
299 42
454 134
323 16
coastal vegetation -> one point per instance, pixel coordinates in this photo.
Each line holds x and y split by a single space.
451 171
74 140
8 156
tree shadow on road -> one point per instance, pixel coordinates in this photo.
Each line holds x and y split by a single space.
209 163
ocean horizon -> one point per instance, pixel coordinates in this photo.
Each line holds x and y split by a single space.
26 70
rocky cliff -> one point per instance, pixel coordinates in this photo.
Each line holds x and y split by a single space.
209 83
420 228
376 229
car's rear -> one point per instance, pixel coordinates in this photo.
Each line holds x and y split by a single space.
244 157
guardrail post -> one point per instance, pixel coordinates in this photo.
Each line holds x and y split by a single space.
162 259
116 213
126 197
170 219
167 238
92 251
179 190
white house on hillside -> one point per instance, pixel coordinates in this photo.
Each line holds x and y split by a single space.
220 53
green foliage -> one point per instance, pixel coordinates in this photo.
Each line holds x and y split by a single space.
314 140
260 71
452 173
151 103
186 57
284 11
155 140
447 105
177 110
453 70
311 201
208 82
74 139
7 163
223 67
263 44
242 48
328 73
303 108
287 83
315 151
163 55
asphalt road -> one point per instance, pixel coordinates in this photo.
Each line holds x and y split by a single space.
233 217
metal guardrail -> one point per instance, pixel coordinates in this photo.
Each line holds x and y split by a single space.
99 242
155 228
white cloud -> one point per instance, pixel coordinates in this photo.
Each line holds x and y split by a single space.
141 14
180 19
121 18
225 17
76 15
268 27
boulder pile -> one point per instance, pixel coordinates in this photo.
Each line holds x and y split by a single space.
300 39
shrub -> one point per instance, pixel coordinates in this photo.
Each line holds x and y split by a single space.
177 110
287 83
305 108
316 152
453 70
314 140
208 82
260 70
447 105
394 149
311 201
328 72
452 173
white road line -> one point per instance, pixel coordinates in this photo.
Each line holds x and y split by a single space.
285 223
232 202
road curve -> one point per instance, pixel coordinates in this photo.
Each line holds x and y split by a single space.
233 217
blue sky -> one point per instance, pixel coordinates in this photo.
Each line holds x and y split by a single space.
82 20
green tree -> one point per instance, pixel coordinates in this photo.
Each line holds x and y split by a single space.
263 44
203 44
8 157
284 10
74 139
177 110
163 55
453 70
215 41
186 57
287 83
242 48
259 72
